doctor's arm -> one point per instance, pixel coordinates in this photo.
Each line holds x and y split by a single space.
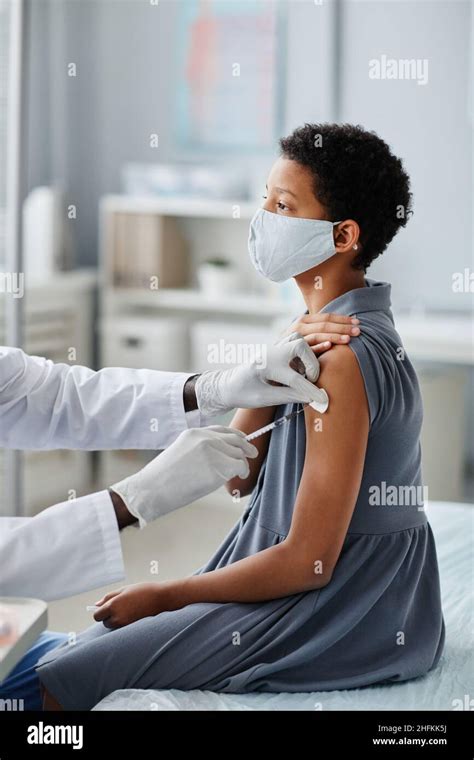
305 560
44 405
64 550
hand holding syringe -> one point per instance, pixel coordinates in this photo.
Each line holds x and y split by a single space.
319 406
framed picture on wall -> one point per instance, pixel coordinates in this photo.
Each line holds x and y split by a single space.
229 86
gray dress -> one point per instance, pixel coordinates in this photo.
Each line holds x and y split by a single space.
378 620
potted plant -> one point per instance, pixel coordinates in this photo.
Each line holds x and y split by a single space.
217 276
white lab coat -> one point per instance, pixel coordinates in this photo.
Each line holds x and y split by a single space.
75 546
64 550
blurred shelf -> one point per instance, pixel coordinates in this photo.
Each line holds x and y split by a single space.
56 286
195 300
184 207
438 338
74 280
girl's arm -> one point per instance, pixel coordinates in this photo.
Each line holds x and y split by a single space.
305 560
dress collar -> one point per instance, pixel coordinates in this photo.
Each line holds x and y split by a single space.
374 297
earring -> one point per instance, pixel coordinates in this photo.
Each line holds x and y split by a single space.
355 247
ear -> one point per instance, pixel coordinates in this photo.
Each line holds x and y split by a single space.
346 236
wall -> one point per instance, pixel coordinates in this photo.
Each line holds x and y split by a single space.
428 127
83 128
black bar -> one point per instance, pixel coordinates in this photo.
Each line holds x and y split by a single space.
372 734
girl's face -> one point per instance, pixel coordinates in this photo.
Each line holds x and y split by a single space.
290 191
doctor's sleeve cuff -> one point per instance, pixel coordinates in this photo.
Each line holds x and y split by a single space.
112 557
196 419
179 419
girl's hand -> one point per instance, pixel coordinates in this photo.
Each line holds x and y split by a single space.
322 331
131 603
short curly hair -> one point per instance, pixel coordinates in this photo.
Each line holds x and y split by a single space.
356 176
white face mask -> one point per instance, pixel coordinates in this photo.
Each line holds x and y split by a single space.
281 247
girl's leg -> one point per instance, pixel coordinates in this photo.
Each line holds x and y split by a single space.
23 683
189 648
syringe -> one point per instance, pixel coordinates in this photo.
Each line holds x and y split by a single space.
319 406
276 423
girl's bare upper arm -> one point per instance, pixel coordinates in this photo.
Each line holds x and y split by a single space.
249 420
334 461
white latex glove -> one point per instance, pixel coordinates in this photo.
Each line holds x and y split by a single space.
247 386
197 462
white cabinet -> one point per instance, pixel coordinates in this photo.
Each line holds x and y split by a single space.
151 343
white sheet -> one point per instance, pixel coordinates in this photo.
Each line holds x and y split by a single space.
449 687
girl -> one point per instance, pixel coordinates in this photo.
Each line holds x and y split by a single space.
326 582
